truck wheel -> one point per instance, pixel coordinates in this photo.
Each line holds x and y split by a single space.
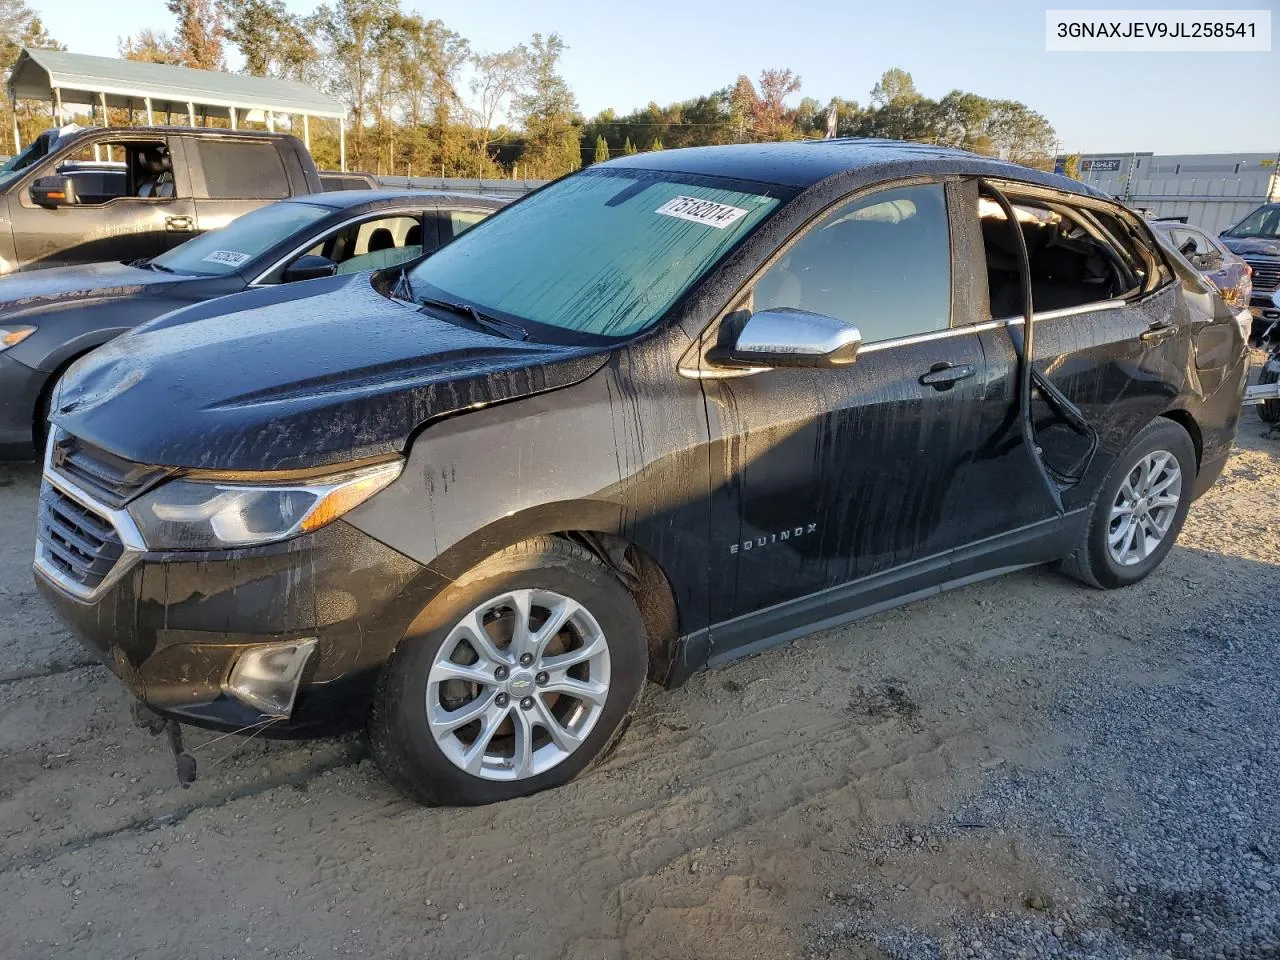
1138 512
514 679
1269 410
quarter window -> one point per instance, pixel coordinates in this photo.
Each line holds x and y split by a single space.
881 262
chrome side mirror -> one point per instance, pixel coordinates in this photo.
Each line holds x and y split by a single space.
785 337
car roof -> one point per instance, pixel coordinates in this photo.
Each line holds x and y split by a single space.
802 163
345 199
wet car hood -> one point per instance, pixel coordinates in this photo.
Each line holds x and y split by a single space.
1259 246
66 285
322 372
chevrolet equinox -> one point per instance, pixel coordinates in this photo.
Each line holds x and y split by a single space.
659 414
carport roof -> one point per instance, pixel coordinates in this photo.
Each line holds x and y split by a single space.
81 78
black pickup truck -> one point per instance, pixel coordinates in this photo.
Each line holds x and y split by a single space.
126 193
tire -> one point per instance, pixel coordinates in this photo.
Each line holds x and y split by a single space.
1269 410
1094 561
542 577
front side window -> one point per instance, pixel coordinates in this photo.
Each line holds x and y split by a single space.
882 263
601 253
374 244
116 169
221 252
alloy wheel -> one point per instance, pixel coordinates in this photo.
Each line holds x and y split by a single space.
1144 508
518 685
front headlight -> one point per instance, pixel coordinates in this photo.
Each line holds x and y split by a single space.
215 515
12 336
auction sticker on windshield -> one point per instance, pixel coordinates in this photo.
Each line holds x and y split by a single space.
708 212
232 258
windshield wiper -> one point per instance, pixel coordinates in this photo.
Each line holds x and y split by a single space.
485 321
155 266
403 289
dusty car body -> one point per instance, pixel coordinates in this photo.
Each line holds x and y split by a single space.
663 413
56 316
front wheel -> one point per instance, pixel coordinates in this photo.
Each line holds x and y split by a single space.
513 680
1139 510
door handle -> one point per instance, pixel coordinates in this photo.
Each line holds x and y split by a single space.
944 376
179 224
1158 330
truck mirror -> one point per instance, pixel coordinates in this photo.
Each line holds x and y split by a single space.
53 192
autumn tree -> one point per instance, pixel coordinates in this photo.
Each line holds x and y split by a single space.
350 31
198 36
743 108
20 27
495 79
150 46
273 41
895 86
548 110
773 121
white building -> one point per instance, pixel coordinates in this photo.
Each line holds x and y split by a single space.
1212 190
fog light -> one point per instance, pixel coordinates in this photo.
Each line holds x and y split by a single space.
267 677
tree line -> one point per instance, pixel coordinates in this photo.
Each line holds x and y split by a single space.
421 100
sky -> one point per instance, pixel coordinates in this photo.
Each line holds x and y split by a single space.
624 55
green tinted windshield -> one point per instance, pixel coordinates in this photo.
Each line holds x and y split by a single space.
1263 222
220 252
602 252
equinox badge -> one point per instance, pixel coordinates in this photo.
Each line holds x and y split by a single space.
768 539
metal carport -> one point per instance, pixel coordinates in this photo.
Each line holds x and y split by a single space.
101 82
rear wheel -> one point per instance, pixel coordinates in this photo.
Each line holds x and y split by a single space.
515 679
1139 510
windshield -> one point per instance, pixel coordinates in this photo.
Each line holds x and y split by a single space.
603 253
220 252
1263 222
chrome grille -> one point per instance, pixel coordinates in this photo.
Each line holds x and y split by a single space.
109 478
80 544
1266 273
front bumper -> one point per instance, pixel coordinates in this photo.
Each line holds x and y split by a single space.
20 388
172 625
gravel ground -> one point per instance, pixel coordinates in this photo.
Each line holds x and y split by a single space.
1021 768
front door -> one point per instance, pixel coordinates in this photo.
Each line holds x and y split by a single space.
829 477
133 202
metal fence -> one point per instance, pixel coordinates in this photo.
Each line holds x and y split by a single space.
493 188
1213 191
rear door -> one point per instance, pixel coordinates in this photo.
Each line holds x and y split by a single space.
828 478
230 177
1111 334
115 222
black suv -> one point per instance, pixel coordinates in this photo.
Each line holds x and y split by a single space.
657 415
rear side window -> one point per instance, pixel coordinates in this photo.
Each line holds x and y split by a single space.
242 170
882 263
1078 256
